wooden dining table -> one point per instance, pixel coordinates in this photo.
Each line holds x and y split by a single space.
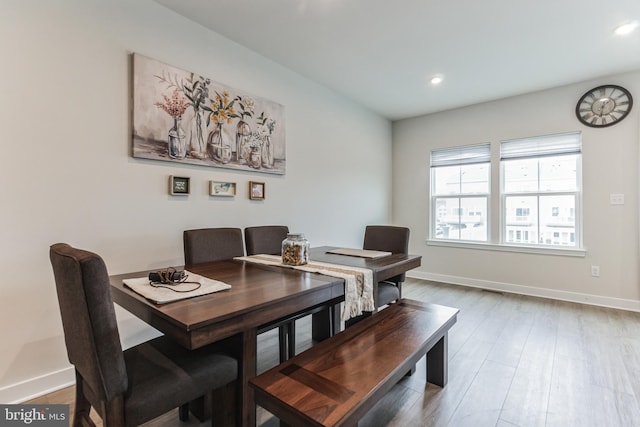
259 295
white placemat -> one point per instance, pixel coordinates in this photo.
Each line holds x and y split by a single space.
163 295
360 253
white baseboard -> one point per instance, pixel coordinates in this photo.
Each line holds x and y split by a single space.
36 387
602 301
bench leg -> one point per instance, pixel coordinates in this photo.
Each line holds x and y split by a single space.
437 362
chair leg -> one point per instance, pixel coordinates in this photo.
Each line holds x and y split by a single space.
113 412
224 406
291 335
411 371
183 412
282 342
82 410
334 319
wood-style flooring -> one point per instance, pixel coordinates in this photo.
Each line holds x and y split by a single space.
513 361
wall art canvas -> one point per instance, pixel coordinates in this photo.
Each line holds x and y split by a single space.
183 117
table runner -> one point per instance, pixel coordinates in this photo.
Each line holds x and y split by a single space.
163 295
358 287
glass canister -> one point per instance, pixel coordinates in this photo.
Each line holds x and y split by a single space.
295 250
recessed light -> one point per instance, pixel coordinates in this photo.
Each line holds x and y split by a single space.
627 28
436 80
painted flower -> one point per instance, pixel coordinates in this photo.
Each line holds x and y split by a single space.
222 108
175 106
197 91
257 139
246 106
266 123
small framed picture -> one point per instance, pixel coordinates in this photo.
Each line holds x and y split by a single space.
179 185
256 190
222 189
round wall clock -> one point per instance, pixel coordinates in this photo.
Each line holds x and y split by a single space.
604 106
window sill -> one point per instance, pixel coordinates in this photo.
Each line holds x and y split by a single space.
570 252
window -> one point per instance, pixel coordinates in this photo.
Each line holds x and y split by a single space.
460 193
541 188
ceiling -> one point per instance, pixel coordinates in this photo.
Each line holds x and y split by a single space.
382 53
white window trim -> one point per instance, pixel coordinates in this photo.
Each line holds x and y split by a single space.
504 247
579 211
487 196
578 251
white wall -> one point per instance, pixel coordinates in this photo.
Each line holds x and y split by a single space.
67 174
610 165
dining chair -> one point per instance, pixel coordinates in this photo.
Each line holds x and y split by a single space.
392 239
130 387
265 239
212 244
217 244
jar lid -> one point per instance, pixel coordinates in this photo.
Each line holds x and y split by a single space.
295 235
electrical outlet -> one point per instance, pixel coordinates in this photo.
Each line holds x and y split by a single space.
595 271
616 199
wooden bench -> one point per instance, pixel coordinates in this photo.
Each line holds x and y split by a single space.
337 381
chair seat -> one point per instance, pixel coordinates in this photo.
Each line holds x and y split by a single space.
387 293
157 370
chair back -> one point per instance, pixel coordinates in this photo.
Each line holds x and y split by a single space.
265 239
212 244
89 320
387 238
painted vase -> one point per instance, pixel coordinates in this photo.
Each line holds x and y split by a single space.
177 141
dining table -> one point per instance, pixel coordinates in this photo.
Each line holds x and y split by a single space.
259 295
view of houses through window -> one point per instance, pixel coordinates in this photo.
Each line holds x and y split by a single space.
540 185
460 192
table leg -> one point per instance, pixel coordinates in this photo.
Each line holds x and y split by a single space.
437 362
248 371
326 322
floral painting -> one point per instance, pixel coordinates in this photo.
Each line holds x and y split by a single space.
180 116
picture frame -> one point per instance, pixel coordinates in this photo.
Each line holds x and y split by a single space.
222 189
179 185
183 117
256 190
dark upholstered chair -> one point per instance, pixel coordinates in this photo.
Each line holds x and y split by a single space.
217 244
390 239
128 388
212 244
265 239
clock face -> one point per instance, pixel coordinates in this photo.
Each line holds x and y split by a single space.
604 106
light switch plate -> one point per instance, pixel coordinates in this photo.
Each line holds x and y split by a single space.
616 199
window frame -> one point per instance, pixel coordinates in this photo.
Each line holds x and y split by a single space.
577 194
433 206
499 220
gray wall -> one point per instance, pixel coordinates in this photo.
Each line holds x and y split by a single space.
609 165
68 176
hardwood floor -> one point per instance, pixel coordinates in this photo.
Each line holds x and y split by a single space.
514 361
